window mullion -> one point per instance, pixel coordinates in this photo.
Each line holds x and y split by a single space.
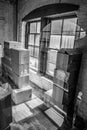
61 33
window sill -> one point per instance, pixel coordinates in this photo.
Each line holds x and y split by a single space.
41 74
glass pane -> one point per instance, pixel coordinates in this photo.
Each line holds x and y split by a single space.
33 27
55 41
31 40
37 40
52 54
45 36
67 41
47 27
56 26
50 68
69 26
31 50
38 27
33 63
36 54
36 63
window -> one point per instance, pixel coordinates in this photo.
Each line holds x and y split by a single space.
68 32
33 43
62 36
54 45
50 35
80 33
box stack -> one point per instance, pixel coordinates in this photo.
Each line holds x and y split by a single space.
6 60
65 77
20 66
5 109
15 63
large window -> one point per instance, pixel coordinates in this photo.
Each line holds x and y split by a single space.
62 36
50 35
33 43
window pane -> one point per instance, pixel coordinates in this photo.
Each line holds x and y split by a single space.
33 27
56 26
50 68
37 40
38 27
31 50
31 40
55 41
69 26
52 54
45 36
47 27
67 41
33 63
36 54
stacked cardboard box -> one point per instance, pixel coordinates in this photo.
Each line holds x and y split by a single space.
15 63
48 97
6 60
5 109
20 66
66 76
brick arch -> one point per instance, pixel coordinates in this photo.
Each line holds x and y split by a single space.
50 10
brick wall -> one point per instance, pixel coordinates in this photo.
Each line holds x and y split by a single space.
26 6
6 22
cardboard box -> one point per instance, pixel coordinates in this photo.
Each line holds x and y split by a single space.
20 69
7 71
22 95
21 112
68 60
48 97
21 81
5 109
65 79
57 96
6 61
61 77
12 44
55 116
20 56
34 103
7 53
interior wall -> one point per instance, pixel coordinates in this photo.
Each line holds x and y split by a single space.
7 20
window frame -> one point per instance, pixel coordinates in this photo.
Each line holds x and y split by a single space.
34 46
60 34
48 42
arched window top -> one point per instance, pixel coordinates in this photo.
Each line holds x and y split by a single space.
51 9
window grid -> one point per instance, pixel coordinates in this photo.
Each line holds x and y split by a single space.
61 34
75 34
34 46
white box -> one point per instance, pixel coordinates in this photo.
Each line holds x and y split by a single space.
21 112
34 103
22 95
